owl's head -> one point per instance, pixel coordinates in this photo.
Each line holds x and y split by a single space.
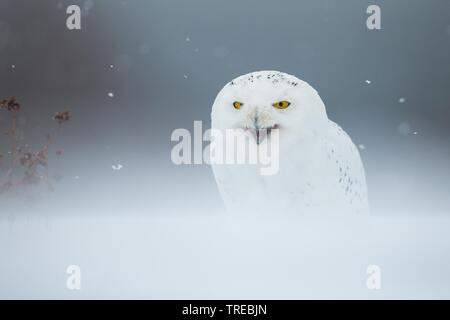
269 100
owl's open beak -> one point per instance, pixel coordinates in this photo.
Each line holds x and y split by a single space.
258 134
261 134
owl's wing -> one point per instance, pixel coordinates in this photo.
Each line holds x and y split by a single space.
347 168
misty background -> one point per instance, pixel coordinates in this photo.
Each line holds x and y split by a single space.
165 61
139 69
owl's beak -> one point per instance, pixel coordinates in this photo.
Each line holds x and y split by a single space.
258 134
261 134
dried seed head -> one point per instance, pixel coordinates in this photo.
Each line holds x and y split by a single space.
10 104
62 116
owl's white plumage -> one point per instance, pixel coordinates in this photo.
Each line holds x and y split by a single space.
320 169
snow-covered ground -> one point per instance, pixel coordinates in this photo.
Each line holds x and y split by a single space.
218 256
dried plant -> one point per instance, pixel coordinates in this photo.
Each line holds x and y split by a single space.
62 117
26 167
10 104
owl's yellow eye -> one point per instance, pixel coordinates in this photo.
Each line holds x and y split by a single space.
281 104
237 104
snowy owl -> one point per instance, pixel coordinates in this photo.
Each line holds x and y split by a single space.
319 170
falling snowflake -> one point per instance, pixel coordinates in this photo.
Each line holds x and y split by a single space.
362 147
415 132
188 39
117 167
185 76
368 81
111 66
110 94
77 177
13 66
401 100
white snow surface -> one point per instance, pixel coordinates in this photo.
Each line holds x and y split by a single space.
216 256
